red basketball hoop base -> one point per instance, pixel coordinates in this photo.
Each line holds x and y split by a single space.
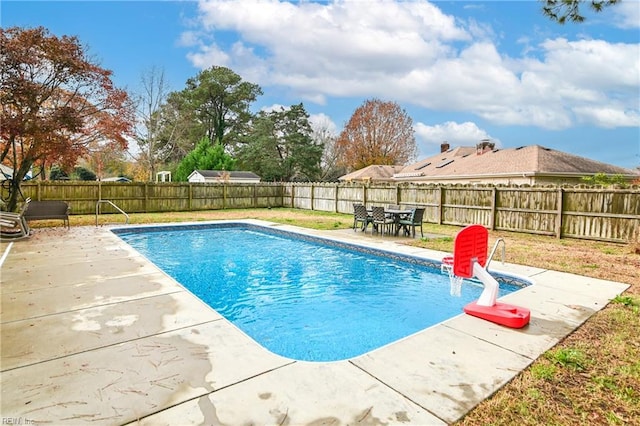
500 313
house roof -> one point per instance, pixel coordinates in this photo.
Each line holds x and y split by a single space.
6 172
373 172
536 159
116 179
222 173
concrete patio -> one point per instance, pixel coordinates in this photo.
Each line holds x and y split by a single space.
92 332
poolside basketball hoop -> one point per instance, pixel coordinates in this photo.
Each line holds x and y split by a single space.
469 260
454 280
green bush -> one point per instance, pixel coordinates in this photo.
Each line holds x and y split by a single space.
605 179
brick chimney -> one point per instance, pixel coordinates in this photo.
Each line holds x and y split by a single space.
444 146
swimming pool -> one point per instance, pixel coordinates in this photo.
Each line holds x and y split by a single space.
304 297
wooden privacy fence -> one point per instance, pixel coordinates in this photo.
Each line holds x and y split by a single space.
142 197
603 214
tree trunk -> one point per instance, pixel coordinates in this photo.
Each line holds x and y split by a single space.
14 187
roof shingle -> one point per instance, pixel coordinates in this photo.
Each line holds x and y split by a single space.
464 161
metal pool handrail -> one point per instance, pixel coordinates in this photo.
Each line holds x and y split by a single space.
114 206
493 251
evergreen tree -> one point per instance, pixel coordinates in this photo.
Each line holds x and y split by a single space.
280 146
205 156
83 173
57 173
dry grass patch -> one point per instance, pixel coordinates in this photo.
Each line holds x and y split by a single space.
304 218
608 261
593 376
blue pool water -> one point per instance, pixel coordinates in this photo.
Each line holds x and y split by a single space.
304 298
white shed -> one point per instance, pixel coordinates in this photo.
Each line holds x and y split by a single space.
163 176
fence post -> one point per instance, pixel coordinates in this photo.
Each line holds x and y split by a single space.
559 210
255 195
312 194
440 209
145 208
494 210
190 197
364 194
293 195
224 195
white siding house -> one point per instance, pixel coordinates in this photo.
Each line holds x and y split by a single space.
213 176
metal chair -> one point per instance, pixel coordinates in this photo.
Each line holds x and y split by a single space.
415 220
380 218
360 215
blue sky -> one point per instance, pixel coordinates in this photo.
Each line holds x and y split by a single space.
463 70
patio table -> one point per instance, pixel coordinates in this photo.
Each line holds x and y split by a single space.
397 214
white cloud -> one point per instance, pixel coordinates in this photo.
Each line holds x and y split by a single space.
413 53
580 76
188 39
323 123
608 117
592 63
429 138
274 107
209 56
310 45
626 14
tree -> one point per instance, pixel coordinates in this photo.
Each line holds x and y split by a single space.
279 146
377 133
82 173
260 153
605 179
204 157
55 101
58 174
177 130
562 10
330 168
153 96
216 103
105 159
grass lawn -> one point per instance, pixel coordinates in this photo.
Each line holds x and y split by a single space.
592 377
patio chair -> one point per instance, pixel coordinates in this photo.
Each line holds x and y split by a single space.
360 215
13 226
414 220
380 219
